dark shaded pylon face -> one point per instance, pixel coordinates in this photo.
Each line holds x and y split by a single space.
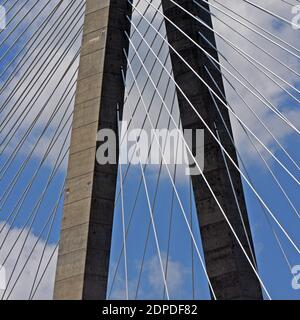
229 271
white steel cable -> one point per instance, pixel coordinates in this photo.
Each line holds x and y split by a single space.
213 135
151 214
194 42
206 85
255 31
292 24
259 153
206 181
194 241
247 104
250 59
254 44
248 176
123 215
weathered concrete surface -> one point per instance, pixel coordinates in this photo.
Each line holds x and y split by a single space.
84 251
82 269
230 273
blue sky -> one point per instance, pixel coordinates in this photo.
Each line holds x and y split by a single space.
272 266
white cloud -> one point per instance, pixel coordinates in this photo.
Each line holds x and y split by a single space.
152 284
264 85
24 283
177 272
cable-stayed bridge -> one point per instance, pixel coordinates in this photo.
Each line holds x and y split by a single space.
149 149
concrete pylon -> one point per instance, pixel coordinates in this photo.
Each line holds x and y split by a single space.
230 273
84 251
83 261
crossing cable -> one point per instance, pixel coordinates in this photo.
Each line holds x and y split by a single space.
255 64
271 107
35 98
154 203
151 213
49 55
200 78
137 103
246 171
154 229
235 165
254 30
239 156
214 137
145 167
236 200
267 217
245 102
243 53
211 191
248 106
274 233
144 122
206 85
248 176
250 41
141 41
38 47
146 56
131 118
174 186
155 197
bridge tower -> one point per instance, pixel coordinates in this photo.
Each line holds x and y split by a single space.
83 260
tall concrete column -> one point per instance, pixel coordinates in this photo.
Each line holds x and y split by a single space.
84 251
229 271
